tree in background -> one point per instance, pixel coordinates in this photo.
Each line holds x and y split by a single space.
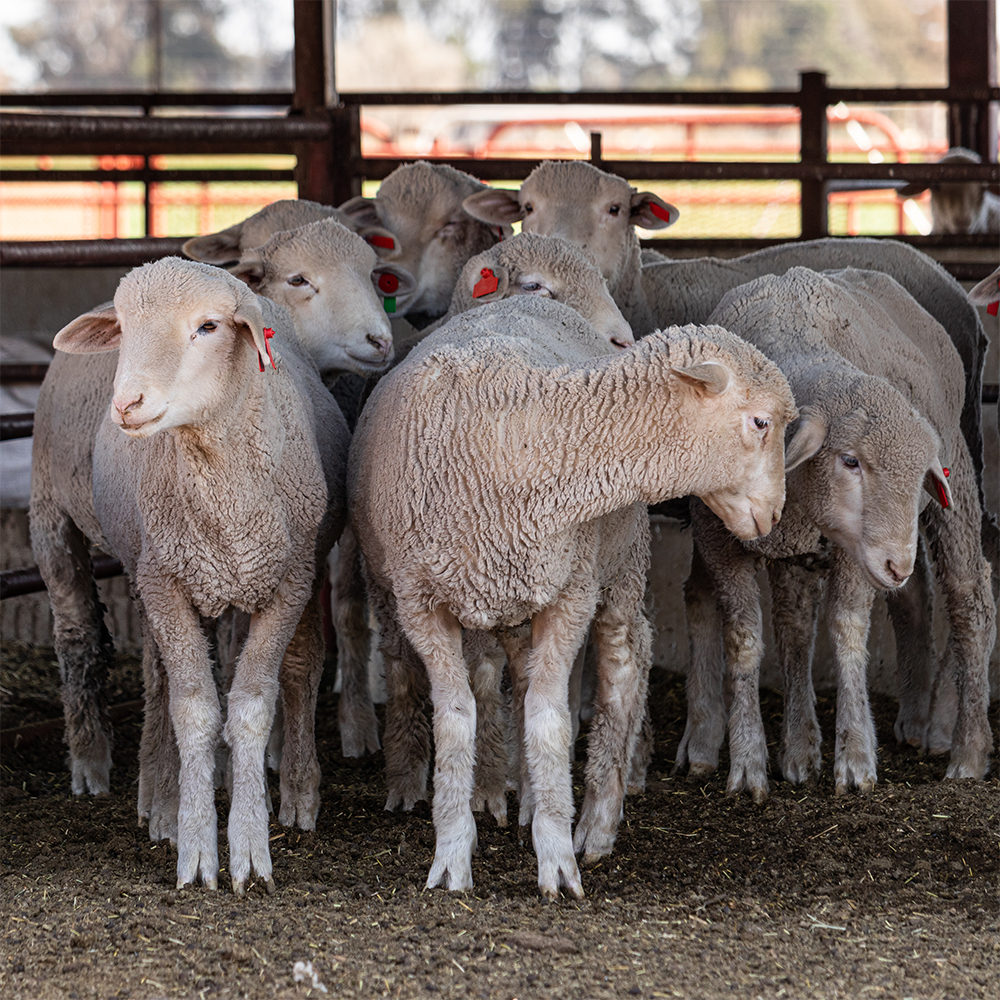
150 44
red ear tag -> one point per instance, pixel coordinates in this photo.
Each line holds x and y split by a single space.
500 233
992 308
388 283
382 241
942 496
947 472
660 213
486 284
268 334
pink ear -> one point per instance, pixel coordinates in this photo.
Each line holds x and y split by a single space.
936 483
90 333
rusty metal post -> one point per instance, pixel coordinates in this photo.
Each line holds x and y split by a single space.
813 147
345 144
972 62
314 169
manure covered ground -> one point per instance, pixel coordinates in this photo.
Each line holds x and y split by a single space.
809 895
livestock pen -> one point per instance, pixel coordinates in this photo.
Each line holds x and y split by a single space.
809 895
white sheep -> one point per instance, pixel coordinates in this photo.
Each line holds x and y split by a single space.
225 247
959 206
420 204
497 479
322 273
596 210
525 265
218 482
880 388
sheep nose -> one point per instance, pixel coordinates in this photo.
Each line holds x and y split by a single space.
381 344
126 405
896 574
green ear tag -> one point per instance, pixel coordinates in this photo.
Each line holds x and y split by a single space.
390 303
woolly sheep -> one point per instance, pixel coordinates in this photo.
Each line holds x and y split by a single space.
217 485
324 274
596 210
880 390
959 206
420 204
492 481
227 246
525 265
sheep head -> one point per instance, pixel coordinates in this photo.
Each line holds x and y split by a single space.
179 328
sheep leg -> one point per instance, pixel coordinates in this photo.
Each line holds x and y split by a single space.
82 643
557 632
517 646
911 610
849 618
437 637
355 711
301 671
196 718
252 700
624 654
964 577
795 595
407 733
705 728
486 661
159 760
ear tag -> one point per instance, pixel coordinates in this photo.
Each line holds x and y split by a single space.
388 284
500 233
660 213
487 283
268 334
386 242
947 472
942 496
991 309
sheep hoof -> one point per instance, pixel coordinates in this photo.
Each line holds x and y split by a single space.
866 787
701 769
270 886
759 796
239 888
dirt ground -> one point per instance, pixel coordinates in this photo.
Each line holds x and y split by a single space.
810 895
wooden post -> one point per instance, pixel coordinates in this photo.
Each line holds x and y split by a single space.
813 146
972 62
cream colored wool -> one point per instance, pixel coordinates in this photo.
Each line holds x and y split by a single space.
498 479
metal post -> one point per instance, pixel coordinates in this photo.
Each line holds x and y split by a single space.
972 62
314 169
813 146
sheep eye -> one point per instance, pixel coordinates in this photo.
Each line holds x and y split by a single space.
761 423
297 280
528 208
850 461
209 326
614 209
530 286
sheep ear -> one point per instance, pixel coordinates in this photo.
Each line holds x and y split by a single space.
987 291
498 206
361 211
807 439
936 483
250 319
250 270
90 333
649 211
392 282
709 377
217 248
380 240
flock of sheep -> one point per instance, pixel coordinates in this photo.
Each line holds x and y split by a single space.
229 417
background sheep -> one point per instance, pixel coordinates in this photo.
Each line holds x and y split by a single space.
868 451
421 206
216 485
596 210
959 206
491 481
310 270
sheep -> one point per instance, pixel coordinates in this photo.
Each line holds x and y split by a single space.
987 292
420 204
959 206
525 265
880 389
227 246
337 329
594 209
496 480
218 482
